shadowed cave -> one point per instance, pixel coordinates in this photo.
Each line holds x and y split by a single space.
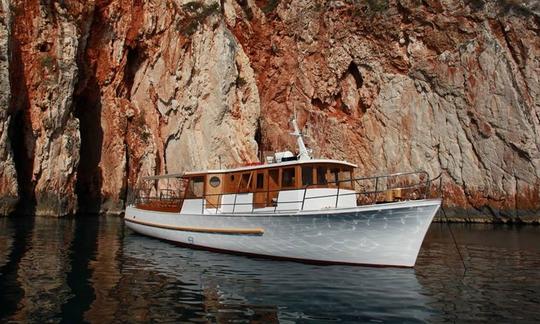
89 175
19 134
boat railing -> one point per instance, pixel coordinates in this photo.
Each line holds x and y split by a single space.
367 190
166 199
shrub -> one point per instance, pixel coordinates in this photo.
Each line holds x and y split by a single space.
514 6
476 4
377 5
270 6
47 61
245 7
240 81
197 14
192 6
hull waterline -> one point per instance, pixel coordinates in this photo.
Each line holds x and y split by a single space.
378 235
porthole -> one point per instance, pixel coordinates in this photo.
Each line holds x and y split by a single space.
214 182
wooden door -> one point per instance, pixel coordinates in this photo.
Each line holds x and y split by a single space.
273 187
214 190
260 189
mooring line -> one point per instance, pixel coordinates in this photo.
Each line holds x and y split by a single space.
441 192
455 242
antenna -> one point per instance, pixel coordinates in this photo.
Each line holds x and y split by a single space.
303 152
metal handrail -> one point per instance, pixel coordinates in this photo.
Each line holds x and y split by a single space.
422 184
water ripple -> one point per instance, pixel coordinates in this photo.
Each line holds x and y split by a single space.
94 270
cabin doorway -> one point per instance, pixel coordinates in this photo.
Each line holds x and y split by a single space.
214 189
261 189
273 187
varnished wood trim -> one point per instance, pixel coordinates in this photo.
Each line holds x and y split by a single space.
229 231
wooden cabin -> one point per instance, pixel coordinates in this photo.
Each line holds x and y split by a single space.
261 186
268 180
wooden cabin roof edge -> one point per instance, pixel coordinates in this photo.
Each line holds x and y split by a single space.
164 176
270 165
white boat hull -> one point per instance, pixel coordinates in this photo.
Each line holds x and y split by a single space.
383 234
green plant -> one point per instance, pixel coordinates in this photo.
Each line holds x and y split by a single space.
192 6
70 145
514 6
476 4
245 7
16 10
190 28
47 61
210 10
270 6
145 136
377 5
240 81
196 16
139 126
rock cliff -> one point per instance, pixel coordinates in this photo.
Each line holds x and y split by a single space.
97 93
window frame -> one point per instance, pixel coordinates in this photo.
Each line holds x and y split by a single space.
292 179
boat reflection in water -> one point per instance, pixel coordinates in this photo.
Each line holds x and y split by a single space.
234 287
94 270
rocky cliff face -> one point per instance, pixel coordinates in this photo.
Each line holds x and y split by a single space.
95 94
8 174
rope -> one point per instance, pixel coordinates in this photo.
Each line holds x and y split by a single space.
455 242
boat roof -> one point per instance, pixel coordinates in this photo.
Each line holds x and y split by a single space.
272 165
251 167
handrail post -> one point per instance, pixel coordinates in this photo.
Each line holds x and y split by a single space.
440 187
304 198
275 207
337 196
202 204
428 186
234 203
376 189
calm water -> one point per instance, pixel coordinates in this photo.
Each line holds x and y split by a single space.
95 270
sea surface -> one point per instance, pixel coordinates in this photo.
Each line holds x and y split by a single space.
93 269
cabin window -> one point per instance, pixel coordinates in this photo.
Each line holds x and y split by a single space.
307 175
245 182
345 179
288 177
196 187
260 180
214 181
273 176
334 176
321 175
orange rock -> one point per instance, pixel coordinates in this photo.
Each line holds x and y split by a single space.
103 92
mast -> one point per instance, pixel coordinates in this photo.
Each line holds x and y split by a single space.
303 152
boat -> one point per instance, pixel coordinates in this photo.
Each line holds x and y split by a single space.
293 207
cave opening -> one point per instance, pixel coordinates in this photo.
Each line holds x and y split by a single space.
353 70
87 104
259 140
20 135
135 57
20 131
